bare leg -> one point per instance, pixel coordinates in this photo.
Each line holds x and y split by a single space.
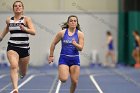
106 59
138 56
13 58
113 58
63 71
74 74
134 54
23 65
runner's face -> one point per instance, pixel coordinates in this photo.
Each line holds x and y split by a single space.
72 22
18 7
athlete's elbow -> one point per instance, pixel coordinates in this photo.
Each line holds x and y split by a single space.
80 49
33 33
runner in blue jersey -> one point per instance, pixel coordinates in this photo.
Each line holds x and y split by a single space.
72 40
110 51
18 54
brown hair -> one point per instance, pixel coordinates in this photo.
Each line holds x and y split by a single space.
108 33
65 24
136 32
16 2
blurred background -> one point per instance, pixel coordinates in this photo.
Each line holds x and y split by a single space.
96 17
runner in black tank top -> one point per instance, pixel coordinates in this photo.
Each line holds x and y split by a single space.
20 27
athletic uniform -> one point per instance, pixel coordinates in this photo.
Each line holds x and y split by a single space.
136 45
19 40
110 46
69 54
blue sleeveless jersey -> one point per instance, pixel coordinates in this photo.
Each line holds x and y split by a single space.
136 44
68 48
110 45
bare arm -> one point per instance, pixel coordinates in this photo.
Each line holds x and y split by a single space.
30 27
109 39
6 29
53 44
138 40
79 45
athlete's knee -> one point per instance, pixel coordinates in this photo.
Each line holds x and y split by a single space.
74 82
13 67
63 80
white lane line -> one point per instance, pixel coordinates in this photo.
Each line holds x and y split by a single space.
95 83
2 76
30 89
58 87
126 77
4 88
27 80
53 84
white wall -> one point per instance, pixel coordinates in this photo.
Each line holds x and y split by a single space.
63 5
94 26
